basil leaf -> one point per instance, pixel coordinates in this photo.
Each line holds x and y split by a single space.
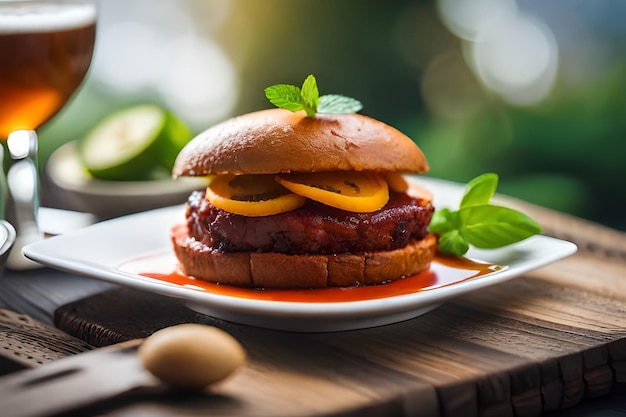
490 226
480 190
443 221
310 95
338 104
284 96
453 243
479 223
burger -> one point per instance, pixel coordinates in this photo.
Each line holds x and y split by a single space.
303 202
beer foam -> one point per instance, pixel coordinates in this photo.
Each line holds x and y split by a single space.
31 17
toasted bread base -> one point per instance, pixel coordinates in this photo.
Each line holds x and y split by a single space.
277 270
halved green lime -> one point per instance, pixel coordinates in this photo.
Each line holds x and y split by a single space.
177 134
134 143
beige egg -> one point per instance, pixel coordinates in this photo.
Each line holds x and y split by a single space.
191 356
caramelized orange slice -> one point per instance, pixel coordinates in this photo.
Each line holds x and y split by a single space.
251 195
352 191
396 182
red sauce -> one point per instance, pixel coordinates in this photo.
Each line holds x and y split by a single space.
443 271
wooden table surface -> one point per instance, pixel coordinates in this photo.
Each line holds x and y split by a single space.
552 342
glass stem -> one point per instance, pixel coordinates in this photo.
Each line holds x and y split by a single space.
22 197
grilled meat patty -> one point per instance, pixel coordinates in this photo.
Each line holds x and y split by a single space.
311 229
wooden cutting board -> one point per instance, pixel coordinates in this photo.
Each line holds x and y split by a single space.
542 342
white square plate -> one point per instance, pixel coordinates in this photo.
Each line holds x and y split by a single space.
100 251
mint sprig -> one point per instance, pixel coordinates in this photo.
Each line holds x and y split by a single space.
479 223
307 98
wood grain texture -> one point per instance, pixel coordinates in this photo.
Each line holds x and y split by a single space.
541 343
481 354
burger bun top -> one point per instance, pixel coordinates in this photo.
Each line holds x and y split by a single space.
279 141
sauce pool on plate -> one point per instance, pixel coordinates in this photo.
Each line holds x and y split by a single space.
443 271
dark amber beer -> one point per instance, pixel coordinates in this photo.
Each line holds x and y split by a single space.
45 51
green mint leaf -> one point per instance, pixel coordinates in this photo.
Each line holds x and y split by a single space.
285 96
490 226
453 243
310 95
338 104
443 221
480 190
307 98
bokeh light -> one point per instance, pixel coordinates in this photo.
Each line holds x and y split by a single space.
163 54
513 53
518 59
449 89
471 19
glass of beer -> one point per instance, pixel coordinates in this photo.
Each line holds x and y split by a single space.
45 51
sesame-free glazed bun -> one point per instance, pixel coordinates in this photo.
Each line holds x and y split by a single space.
279 141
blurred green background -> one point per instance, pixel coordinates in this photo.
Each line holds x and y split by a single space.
532 90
